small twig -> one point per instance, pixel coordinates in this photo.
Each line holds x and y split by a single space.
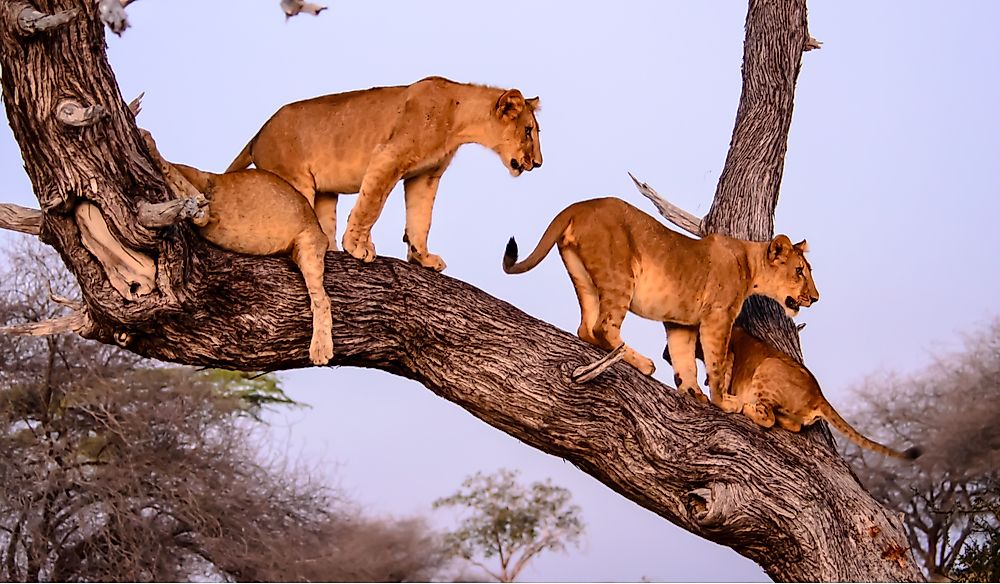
670 212
135 106
30 21
294 7
73 113
585 373
18 218
812 43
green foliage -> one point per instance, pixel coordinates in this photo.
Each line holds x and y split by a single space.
503 519
254 391
980 560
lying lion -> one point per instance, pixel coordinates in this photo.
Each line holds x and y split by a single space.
621 259
366 141
771 388
257 213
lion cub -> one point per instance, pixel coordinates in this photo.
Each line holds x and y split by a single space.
771 388
366 141
621 259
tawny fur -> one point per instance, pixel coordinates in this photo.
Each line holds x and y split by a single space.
621 259
257 213
366 141
771 388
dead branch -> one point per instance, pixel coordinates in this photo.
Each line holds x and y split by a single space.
77 322
670 212
18 218
31 21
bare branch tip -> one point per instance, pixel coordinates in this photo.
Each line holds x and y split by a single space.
668 210
135 106
812 43
77 322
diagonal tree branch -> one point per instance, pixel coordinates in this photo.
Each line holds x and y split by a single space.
778 498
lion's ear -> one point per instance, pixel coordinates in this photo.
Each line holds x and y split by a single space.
802 246
779 248
534 103
510 104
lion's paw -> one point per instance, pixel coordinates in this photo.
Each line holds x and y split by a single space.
361 248
320 350
427 260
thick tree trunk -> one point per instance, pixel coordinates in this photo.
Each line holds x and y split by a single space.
786 502
747 194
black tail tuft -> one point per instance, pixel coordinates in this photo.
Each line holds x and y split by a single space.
510 255
913 453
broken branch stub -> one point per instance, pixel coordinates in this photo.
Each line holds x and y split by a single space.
131 273
72 113
30 21
18 218
190 203
670 212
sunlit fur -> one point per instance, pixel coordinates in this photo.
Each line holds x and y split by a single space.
367 141
621 259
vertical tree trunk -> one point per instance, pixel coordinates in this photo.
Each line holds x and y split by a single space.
747 194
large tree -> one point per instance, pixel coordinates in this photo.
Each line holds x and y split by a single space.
787 501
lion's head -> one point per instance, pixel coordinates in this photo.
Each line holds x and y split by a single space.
517 140
788 276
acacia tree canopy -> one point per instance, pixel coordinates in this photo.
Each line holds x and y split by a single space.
504 520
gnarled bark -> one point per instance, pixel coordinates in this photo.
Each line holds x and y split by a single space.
778 498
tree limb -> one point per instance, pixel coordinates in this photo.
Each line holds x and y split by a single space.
18 218
31 21
670 212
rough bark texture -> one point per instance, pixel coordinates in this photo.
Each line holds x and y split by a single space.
778 498
747 194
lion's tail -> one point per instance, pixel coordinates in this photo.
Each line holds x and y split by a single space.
841 424
549 238
244 158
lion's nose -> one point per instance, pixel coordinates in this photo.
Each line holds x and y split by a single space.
536 163
814 299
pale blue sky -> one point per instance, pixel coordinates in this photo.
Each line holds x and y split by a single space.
891 174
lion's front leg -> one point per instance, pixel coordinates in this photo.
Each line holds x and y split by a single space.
715 332
383 173
420 192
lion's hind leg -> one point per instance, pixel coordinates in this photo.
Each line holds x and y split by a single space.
309 253
586 294
615 289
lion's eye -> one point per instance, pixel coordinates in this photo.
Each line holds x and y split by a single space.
799 271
